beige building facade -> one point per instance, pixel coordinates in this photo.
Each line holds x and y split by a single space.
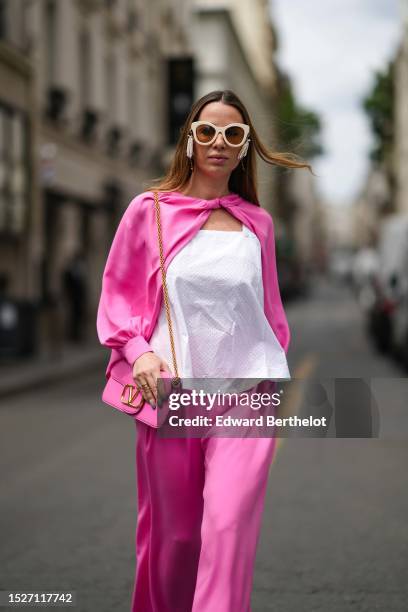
84 91
234 48
372 204
401 119
378 198
17 149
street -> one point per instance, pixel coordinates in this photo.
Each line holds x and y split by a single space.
334 528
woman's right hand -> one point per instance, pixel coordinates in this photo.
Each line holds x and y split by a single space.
146 369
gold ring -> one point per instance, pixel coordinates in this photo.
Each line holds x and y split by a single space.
144 386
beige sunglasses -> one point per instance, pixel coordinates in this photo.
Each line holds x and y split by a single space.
205 133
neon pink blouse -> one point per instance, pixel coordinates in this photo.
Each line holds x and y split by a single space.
132 294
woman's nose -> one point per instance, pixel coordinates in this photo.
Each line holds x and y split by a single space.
220 140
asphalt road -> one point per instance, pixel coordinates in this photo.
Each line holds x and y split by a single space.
334 534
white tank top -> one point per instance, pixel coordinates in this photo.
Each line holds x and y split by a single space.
216 299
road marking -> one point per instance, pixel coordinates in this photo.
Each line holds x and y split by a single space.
292 405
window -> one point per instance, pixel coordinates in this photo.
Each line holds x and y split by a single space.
132 16
133 117
111 88
50 41
84 69
3 19
13 171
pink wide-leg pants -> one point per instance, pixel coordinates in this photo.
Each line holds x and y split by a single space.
200 504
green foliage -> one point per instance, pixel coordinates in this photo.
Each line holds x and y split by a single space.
299 129
379 106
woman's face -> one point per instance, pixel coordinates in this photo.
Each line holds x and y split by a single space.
204 155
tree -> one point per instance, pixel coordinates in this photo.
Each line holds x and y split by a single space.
297 127
379 106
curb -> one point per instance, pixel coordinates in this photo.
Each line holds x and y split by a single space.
24 377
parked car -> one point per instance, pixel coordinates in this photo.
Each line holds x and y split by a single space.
398 281
388 314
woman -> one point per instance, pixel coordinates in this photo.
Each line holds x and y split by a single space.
200 500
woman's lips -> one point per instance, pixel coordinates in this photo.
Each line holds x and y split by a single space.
218 160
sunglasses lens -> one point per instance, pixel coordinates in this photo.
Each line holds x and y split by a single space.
205 133
235 134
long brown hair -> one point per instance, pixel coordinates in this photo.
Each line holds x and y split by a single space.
243 178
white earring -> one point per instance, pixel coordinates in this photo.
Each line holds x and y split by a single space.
244 149
190 146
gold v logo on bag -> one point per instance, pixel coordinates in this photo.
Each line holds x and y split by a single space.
132 393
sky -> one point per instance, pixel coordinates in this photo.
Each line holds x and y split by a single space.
331 50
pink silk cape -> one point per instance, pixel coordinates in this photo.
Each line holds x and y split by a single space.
132 293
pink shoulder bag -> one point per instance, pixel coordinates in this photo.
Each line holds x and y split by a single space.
121 390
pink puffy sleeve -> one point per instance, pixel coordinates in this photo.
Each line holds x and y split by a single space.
273 302
122 321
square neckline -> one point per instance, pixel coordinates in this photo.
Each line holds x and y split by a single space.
243 230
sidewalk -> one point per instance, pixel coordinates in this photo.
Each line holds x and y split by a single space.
20 375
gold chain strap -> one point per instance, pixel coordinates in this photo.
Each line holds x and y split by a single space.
176 379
